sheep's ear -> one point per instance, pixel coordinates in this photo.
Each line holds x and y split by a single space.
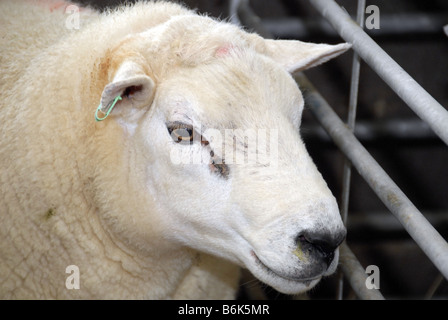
296 55
130 87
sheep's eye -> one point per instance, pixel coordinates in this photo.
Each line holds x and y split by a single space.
180 132
185 134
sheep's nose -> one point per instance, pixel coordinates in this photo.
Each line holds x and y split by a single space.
323 245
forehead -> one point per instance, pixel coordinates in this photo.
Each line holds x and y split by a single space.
243 89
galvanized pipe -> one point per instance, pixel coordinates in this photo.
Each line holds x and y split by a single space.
434 286
356 274
382 221
249 19
380 129
417 98
352 267
424 234
351 119
396 25
377 178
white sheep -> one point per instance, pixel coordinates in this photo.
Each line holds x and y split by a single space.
105 209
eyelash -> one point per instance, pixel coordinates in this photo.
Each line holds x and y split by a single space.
181 133
185 134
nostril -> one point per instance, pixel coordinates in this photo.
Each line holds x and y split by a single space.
303 239
323 245
327 250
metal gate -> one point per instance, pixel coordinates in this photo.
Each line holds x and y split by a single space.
420 101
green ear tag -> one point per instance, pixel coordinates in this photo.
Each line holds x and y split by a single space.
109 108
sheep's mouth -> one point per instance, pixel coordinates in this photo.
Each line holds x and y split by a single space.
305 281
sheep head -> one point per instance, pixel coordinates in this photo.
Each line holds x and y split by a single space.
209 119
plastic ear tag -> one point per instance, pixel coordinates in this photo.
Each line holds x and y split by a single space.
108 109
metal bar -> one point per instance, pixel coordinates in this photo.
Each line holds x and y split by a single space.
371 131
429 240
434 286
417 226
250 19
384 222
233 12
356 275
351 119
420 101
247 17
396 25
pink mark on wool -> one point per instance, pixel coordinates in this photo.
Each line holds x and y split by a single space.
54 5
59 4
224 51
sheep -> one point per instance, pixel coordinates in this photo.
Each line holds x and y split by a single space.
97 118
